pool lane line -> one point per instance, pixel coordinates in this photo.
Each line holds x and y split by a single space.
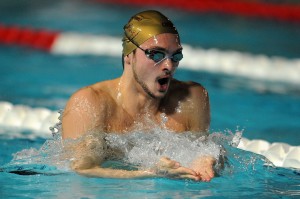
39 120
273 70
40 39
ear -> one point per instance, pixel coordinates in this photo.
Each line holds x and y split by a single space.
127 59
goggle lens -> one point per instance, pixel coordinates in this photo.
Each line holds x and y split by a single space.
177 57
158 56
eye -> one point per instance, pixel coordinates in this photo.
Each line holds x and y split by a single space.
155 55
177 57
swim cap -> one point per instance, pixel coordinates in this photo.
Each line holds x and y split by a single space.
143 26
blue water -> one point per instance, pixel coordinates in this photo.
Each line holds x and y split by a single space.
72 186
244 176
39 79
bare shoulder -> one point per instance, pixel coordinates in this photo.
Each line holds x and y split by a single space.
85 98
91 96
86 110
191 90
197 90
193 101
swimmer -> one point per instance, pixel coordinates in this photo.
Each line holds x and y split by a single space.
151 54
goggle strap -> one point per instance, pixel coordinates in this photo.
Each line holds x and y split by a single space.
148 53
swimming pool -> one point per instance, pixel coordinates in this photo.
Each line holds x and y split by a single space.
267 109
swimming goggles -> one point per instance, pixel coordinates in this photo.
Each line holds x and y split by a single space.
157 55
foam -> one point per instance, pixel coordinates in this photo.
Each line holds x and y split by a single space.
146 148
38 120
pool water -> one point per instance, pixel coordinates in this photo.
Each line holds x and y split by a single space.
40 79
246 176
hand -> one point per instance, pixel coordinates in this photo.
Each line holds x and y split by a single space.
203 166
172 169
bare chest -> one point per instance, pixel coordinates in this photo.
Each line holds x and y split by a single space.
120 121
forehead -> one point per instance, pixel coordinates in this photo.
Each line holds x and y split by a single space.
167 41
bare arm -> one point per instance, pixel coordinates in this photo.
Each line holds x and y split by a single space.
89 153
82 114
164 168
200 117
199 124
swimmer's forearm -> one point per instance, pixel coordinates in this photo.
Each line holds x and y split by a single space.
114 173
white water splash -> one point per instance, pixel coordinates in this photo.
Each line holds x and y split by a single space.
140 147
144 149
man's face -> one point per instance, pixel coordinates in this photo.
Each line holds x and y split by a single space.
154 77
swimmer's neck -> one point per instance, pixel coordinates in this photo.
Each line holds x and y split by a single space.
134 101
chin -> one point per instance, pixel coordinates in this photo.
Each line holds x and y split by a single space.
161 94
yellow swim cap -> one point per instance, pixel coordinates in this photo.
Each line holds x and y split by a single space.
143 26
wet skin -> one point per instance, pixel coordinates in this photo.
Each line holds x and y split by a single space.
145 87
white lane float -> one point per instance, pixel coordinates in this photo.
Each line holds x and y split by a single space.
280 154
259 67
20 117
39 120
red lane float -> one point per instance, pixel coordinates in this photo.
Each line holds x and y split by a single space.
28 37
279 11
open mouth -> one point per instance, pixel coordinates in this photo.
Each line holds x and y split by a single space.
163 82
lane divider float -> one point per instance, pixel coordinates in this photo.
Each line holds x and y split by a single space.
39 120
27 37
21 117
280 154
252 67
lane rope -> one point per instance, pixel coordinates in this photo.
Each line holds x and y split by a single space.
39 120
258 67
28 37
21 117
252 67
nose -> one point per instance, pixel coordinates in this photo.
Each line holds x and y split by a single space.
168 65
